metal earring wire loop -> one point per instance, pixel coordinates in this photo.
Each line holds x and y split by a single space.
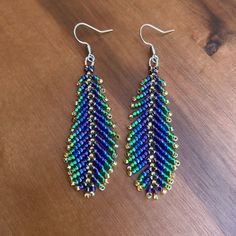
153 61
90 58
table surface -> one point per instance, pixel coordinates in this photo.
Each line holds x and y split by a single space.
40 65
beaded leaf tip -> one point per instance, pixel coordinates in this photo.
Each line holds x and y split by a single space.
151 142
91 149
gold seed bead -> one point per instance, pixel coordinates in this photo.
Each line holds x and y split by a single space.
167 102
175 155
177 163
149 195
129 173
168 187
87 195
73 119
102 187
175 145
151 157
139 188
155 196
164 93
175 138
172 175
171 129
154 182
164 191
168 119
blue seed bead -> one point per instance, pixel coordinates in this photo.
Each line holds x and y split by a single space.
149 189
140 142
147 79
93 188
98 175
162 151
95 180
81 186
163 135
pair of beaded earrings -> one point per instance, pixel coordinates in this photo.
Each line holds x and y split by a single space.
92 143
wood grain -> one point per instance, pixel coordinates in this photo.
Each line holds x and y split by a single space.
40 65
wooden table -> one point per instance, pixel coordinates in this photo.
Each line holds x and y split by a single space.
40 65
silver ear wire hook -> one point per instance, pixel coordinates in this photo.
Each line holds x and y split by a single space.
154 58
90 57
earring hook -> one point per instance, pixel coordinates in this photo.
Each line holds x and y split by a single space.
155 28
91 27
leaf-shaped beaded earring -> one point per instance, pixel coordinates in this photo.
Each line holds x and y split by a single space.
91 149
151 142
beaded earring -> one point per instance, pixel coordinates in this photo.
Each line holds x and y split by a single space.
151 142
92 143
